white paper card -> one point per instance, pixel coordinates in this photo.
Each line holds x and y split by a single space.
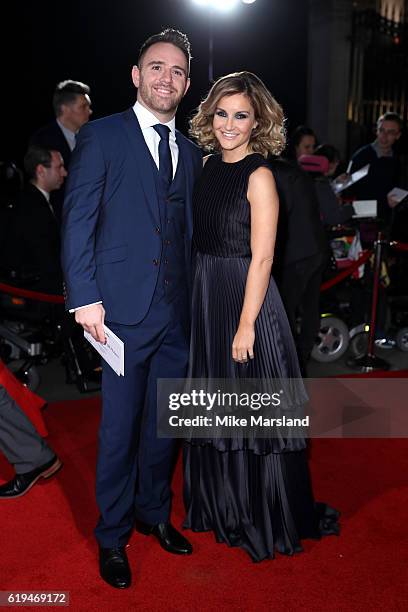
365 208
398 194
353 178
113 352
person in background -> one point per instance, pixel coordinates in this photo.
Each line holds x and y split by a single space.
33 241
384 172
20 438
301 254
332 209
72 107
302 142
332 155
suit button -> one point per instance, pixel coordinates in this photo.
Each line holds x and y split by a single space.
155 262
157 230
168 220
166 282
166 261
167 242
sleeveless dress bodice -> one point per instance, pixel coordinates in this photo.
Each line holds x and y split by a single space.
221 212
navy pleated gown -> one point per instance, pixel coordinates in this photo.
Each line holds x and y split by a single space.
256 493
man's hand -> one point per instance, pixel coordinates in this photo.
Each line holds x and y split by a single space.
392 201
92 318
342 178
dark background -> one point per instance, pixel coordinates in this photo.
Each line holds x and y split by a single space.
97 42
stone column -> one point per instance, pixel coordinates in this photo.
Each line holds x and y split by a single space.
328 69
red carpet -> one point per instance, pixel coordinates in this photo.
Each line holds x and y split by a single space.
47 541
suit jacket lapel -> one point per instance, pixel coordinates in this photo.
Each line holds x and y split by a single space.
42 202
144 165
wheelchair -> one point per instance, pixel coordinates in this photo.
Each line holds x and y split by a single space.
32 332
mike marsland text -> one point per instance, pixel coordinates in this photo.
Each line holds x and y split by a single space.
233 421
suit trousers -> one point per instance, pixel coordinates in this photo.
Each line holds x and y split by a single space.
19 440
134 466
300 292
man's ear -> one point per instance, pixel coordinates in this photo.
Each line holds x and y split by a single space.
40 170
187 86
64 108
136 76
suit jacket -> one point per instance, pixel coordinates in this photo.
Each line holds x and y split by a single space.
51 136
331 211
111 221
300 231
34 242
383 175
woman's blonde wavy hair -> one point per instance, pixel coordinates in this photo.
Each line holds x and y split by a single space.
269 136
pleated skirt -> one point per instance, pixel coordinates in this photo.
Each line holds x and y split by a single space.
218 296
253 493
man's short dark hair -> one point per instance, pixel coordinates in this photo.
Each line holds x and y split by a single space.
66 92
328 151
34 157
391 117
169 35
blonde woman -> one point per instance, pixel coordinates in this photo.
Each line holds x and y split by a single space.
251 492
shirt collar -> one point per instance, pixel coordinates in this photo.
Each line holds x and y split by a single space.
45 193
69 134
147 119
379 152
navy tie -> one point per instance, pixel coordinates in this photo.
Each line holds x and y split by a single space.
165 165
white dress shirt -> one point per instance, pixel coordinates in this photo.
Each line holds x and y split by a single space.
69 135
146 121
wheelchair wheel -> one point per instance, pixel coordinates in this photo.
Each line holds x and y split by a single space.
332 341
402 339
27 374
359 344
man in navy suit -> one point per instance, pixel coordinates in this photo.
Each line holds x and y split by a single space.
127 226
72 107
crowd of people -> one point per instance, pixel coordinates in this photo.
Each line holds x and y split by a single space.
31 245
209 268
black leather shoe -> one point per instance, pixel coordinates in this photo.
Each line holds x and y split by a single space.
22 483
169 538
114 567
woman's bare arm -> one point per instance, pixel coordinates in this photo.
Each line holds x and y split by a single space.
264 202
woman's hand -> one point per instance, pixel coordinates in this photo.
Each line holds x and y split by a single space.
243 343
